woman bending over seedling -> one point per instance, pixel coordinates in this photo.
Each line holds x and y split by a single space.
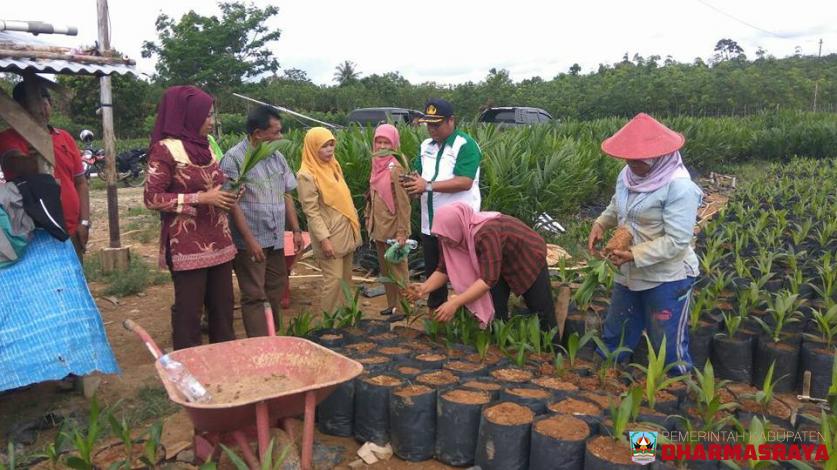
655 208
332 218
487 255
388 209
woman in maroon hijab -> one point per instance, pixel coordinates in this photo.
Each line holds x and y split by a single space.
184 184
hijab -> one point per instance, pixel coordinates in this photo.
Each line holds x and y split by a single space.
328 176
380 181
663 170
180 115
458 222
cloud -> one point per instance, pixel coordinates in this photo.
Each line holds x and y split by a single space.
461 40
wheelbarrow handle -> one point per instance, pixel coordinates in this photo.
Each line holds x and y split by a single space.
134 327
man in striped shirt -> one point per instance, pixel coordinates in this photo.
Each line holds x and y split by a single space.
258 227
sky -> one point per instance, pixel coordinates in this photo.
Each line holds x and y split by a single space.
460 40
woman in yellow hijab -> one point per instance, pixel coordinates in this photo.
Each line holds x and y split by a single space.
332 218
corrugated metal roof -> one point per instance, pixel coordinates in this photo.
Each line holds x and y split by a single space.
62 66
53 65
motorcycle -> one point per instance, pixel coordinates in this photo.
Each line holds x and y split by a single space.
93 162
130 165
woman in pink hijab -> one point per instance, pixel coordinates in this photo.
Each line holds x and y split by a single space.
485 256
388 209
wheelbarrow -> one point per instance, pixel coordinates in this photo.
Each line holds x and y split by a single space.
312 373
290 259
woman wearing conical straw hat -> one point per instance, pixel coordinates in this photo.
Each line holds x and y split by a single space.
655 208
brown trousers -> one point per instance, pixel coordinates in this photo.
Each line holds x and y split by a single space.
335 270
194 289
398 271
260 283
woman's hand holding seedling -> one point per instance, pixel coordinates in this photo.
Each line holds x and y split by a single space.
620 257
217 197
596 235
415 292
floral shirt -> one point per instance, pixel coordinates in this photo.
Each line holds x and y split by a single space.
193 236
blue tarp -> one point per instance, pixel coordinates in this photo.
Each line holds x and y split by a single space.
49 324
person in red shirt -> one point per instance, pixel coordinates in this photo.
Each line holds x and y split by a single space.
68 171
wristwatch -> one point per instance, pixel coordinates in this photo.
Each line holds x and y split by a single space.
85 223
428 188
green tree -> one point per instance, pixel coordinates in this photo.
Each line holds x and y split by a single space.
133 100
727 49
295 75
214 53
346 73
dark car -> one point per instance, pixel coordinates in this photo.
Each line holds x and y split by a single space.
515 116
375 116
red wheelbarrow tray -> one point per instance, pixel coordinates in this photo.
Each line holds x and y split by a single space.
318 368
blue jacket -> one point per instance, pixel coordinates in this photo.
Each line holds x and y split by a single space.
662 223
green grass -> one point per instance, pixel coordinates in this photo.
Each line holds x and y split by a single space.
97 184
136 279
151 402
142 224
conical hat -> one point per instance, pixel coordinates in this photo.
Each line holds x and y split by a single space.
642 137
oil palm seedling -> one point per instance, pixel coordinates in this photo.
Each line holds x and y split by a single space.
826 323
53 451
482 340
764 396
252 157
575 343
756 436
656 372
764 261
433 328
732 322
84 440
610 358
706 390
701 301
151 449
302 325
122 431
801 231
268 462
624 413
828 431
712 255
784 310
827 271
742 266
720 281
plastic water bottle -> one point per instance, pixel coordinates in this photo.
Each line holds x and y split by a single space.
185 381
412 244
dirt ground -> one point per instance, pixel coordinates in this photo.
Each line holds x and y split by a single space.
151 310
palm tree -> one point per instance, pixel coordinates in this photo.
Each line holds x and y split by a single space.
346 73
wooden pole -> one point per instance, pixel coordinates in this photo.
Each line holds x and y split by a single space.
116 258
35 107
106 98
